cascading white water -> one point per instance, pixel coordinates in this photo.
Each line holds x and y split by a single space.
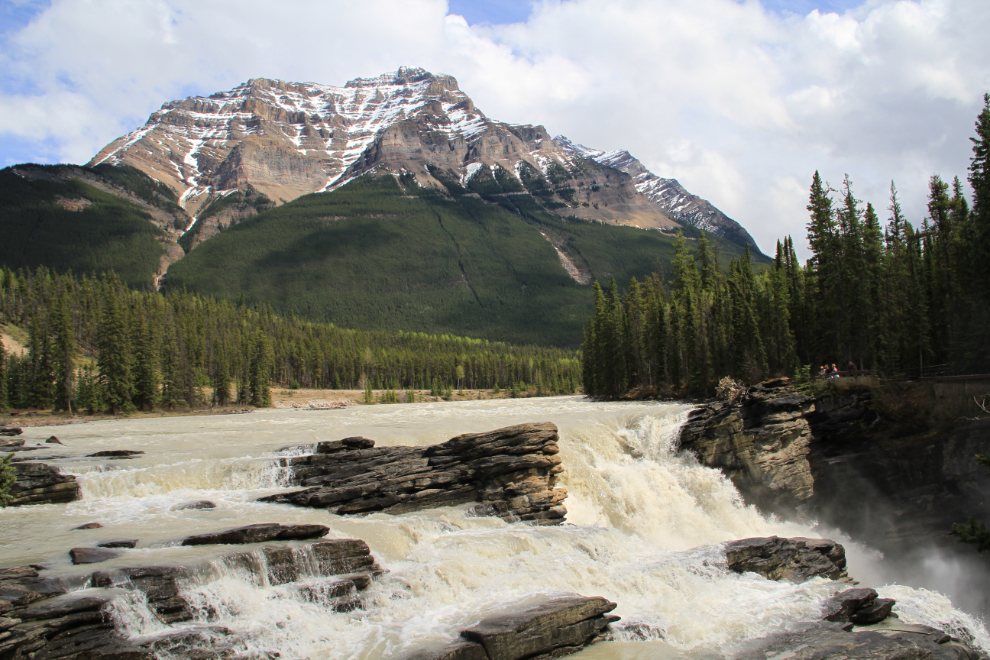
643 527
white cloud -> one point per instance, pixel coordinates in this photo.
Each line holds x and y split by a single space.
741 104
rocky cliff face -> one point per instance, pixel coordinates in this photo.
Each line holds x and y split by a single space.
673 199
287 139
839 461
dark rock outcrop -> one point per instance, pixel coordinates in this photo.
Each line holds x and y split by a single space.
38 483
54 441
259 533
859 606
551 629
760 441
511 472
794 559
896 486
11 430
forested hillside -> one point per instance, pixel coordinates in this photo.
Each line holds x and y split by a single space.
85 220
384 253
895 298
95 344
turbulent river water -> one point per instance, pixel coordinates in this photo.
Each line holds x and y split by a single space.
643 527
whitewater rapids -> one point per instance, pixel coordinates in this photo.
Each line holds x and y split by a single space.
643 527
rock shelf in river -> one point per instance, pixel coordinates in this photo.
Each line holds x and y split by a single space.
511 472
792 559
38 483
38 619
259 533
556 627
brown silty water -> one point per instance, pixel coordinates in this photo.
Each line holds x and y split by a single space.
643 527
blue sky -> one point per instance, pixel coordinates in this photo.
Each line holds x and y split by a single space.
517 11
741 102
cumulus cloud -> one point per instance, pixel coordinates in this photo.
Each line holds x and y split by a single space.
740 103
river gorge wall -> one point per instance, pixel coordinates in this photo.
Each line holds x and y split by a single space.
895 486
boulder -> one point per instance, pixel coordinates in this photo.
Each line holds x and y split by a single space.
92 555
38 483
201 504
259 533
511 472
54 441
841 606
11 430
795 559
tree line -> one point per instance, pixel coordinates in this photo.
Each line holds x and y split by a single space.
93 344
894 298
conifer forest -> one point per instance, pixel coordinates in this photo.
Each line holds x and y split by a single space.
896 298
95 345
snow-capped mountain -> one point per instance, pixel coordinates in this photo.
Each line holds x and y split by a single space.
288 139
672 198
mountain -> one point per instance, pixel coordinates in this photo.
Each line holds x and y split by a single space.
672 198
282 140
386 253
390 203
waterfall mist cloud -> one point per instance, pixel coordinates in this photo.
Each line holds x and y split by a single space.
739 101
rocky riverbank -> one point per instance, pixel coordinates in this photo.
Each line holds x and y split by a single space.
511 472
838 460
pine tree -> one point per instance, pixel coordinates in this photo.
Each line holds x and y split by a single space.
146 379
115 360
64 349
261 395
221 377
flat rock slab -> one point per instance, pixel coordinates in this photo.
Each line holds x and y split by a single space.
11 430
115 453
556 627
259 533
20 585
792 559
511 472
92 555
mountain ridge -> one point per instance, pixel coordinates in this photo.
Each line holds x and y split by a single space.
286 139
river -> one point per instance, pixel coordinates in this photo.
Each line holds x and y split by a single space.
643 529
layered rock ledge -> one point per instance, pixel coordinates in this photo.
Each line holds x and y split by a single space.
760 441
511 472
38 483
896 486
551 629
38 619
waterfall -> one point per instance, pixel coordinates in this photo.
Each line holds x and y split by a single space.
643 529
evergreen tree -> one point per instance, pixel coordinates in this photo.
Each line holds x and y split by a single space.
261 395
146 379
115 360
